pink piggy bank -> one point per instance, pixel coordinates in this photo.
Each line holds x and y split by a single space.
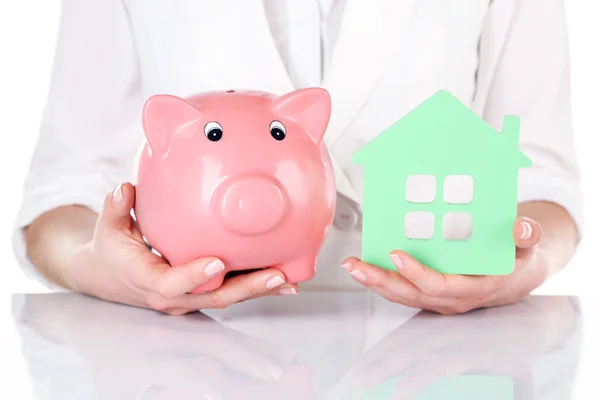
243 176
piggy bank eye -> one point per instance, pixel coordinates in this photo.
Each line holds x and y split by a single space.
277 130
213 131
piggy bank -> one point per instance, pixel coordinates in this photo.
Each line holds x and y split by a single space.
239 175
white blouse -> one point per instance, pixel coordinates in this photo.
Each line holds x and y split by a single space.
378 59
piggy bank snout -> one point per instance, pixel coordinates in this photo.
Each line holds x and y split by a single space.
251 205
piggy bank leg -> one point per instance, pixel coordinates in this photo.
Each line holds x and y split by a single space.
212 284
301 270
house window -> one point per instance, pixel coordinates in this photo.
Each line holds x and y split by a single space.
419 225
458 189
420 188
457 226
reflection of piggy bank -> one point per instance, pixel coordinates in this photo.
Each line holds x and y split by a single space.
243 176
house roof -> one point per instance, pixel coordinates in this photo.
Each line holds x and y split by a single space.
443 124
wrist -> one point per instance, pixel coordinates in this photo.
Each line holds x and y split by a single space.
78 266
523 281
55 241
559 237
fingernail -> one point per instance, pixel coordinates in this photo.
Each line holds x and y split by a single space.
397 260
214 267
288 290
274 371
347 266
526 230
118 194
358 274
275 282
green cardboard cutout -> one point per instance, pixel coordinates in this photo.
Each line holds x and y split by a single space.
448 143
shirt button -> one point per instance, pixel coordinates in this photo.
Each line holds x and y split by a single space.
346 217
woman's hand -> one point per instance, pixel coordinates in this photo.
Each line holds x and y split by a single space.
427 350
116 265
416 285
192 357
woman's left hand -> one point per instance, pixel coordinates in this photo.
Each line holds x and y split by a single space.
418 286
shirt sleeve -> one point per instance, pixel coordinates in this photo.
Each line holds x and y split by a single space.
90 129
532 81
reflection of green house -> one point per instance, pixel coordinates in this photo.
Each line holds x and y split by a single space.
463 387
466 173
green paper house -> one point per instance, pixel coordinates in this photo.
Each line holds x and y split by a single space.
441 184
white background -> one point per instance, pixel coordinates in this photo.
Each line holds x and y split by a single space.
27 38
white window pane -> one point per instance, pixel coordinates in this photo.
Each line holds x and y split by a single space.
458 189
420 188
419 225
457 226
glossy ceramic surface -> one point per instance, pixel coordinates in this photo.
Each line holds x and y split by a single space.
243 176
313 346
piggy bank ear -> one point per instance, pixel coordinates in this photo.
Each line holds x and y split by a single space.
163 115
309 107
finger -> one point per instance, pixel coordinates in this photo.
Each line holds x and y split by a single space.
215 340
527 233
169 282
277 352
404 347
234 290
283 290
198 374
236 356
396 288
391 357
436 284
248 362
387 283
117 208
287 289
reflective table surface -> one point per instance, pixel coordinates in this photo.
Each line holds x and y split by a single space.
317 345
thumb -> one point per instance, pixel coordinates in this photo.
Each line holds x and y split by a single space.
117 207
527 233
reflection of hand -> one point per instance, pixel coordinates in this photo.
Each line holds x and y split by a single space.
499 341
189 356
418 286
116 265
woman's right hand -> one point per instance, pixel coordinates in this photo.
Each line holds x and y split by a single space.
116 265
